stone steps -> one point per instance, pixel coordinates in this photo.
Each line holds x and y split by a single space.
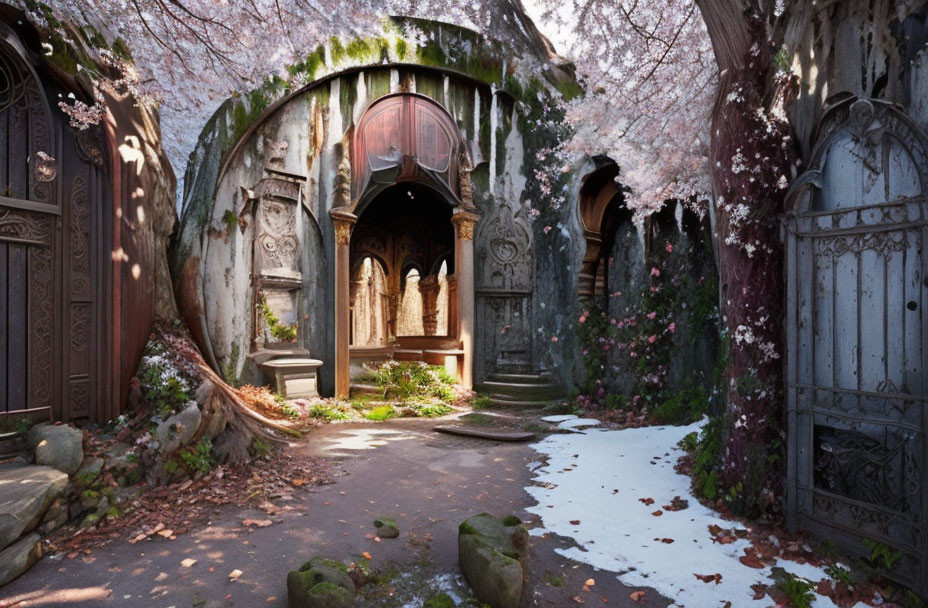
521 390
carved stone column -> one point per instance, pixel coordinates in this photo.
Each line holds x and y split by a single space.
429 288
452 305
464 220
343 221
393 310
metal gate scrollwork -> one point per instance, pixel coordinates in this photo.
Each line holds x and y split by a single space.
857 335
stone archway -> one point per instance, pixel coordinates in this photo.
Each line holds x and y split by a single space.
407 139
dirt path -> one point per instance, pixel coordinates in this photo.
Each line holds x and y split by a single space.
427 481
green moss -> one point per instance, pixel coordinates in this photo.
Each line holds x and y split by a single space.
231 363
322 561
336 50
379 414
554 580
511 520
467 529
402 47
442 600
570 89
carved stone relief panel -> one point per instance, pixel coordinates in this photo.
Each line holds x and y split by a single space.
504 244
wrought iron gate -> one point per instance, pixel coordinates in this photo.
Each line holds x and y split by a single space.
857 336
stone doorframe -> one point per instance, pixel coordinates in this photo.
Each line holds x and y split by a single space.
412 154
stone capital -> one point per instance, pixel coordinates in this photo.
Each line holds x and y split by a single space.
464 219
343 221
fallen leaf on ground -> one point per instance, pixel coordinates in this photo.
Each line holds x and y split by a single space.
575 522
188 562
639 596
366 555
657 513
258 523
235 574
647 501
589 582
709 578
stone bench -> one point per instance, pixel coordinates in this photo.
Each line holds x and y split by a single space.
295 378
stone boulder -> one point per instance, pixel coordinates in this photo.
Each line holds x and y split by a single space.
320 583
386 527
28 491
179 429
490 552
19 557
58 446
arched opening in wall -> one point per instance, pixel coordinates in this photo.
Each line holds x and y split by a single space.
602 212
368 303
405 236
410 313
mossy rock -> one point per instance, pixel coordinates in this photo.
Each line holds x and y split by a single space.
489 553
320 595
320 583
386 527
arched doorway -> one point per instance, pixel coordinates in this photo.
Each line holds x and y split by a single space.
405 237
404 198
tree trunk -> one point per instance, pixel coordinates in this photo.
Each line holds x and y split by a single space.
750 155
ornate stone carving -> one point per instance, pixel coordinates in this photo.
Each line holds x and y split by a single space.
276 153
343 177
343 221
464 222
465 186
276 240
505 244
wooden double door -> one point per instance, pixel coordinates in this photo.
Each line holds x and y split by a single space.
54 251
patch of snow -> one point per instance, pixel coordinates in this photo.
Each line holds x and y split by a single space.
598 477
559 418
577 423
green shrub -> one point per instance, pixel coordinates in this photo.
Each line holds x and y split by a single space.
327 412
798 591
706 451
381 413
881 556
406 380
688 405
198 458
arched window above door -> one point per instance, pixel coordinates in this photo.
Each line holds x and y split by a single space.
405 137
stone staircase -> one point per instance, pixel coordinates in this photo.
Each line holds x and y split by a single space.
521 389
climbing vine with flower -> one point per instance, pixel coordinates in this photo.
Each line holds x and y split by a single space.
674 309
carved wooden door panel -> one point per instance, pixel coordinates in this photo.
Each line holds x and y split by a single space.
29 217
858 336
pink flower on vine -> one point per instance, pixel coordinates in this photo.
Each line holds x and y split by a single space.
535 212
668 248
655 272
651 315
547 229
651 339
672 327
505 329
554 338
582 318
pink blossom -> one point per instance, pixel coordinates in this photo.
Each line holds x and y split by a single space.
651 339
583 318
672 327
668 248
554 338
535 212
547 229
651 315
655 272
